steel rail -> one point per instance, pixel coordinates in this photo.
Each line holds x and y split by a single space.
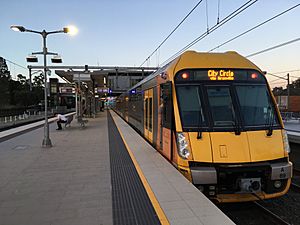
295 187
278 219
296 172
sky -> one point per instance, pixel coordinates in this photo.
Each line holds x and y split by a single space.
126 32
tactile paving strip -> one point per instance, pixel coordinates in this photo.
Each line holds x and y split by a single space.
131 204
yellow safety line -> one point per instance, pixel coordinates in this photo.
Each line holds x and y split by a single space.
160 213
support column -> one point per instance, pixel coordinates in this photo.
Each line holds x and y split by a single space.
30 82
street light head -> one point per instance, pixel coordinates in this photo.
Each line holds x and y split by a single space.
72 30
56 59
18 28
31 59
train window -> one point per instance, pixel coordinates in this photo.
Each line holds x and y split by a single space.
150 114
257 108
190 106
221 106
146 113
166 98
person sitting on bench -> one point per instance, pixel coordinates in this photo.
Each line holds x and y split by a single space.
69 120
60 119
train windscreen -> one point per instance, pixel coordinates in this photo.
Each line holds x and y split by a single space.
221 106
256 106
191 106
242 102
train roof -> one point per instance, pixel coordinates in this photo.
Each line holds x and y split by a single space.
193 60
228 60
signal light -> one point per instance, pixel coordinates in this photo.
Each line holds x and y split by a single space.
185 75
254 76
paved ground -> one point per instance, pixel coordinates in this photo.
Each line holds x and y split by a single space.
66 184
72 183
292 125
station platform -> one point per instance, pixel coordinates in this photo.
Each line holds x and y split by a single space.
292 128
104 173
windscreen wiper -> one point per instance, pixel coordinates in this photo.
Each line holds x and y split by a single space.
237 129
199 134
270 121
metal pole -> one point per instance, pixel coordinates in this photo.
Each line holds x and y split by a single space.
94 98
46 142
288 92
80 96
30 82
117 82
76 99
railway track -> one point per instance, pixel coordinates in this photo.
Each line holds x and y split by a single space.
296 172
273 216
294 186
252 213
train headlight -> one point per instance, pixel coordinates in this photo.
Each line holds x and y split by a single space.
277 184
286 142
182 146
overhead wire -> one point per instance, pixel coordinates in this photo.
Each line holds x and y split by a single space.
172 32
274 47
280 82
280 77
275 80
288 71
255 27
213 28
14 63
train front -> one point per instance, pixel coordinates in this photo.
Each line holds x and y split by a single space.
230 140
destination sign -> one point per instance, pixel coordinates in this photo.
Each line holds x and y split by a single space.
220 74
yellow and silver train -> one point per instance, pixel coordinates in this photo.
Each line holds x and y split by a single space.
213 116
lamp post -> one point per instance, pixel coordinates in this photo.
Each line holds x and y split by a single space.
46 140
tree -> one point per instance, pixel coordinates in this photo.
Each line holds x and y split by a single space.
21 79
277 91
4 83
294 89
295 84
16 93
38 81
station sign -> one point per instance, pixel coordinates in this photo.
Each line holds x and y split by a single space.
102 90
81 76
66 90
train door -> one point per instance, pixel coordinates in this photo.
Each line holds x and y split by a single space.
148 114
166 119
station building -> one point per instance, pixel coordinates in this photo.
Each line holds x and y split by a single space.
92 88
